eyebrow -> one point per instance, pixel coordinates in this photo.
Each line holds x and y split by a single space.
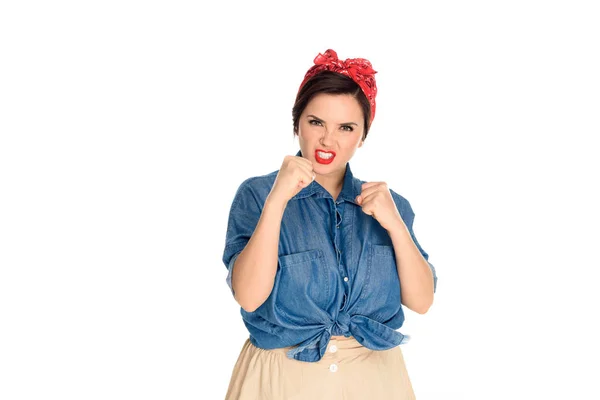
319 119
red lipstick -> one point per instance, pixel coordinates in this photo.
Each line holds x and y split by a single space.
321 160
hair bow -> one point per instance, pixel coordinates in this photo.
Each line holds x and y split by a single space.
359 70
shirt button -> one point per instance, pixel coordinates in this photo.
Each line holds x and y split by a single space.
333 367
345 279
333 348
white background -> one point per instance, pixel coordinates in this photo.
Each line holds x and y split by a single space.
126 128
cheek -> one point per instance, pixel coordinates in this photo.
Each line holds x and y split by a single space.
309 131
353 139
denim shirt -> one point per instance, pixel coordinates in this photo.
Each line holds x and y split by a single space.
336 271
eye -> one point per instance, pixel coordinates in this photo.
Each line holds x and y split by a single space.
349 128
314 120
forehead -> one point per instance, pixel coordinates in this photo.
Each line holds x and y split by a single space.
334 107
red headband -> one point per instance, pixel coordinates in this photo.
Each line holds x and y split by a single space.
359 69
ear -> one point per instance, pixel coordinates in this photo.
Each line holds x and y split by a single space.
361 143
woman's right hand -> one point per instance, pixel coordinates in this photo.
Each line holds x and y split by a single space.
295 174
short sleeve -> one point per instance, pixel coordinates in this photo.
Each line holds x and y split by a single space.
409 217
244 214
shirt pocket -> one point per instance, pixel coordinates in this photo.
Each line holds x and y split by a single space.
303 284
380 297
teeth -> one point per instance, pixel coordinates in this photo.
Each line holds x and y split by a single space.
324 155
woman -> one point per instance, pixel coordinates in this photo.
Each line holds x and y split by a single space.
320 261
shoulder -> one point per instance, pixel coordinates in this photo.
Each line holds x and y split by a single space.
402 204
254 189
258 183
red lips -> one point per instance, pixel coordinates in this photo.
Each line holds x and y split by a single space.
324 160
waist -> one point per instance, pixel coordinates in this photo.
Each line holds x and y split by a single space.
342 343
342 337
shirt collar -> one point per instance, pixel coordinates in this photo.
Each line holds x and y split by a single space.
351 187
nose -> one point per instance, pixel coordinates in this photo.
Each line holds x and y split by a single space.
327 138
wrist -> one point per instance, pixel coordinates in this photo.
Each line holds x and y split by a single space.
275 202
398 225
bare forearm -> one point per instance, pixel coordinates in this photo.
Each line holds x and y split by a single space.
416 277
255 268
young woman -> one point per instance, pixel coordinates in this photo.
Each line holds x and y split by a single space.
320 261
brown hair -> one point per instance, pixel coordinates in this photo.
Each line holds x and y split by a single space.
331 83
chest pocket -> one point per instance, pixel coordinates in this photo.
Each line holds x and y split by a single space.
303 284
380 295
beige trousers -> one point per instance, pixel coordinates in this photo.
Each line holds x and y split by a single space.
347 371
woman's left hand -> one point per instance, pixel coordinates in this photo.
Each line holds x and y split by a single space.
376 200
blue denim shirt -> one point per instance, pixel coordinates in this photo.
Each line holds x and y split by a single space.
336 270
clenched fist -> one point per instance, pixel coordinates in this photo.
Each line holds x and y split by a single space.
295 174
376 200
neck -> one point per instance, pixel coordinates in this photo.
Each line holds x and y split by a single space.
332 182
